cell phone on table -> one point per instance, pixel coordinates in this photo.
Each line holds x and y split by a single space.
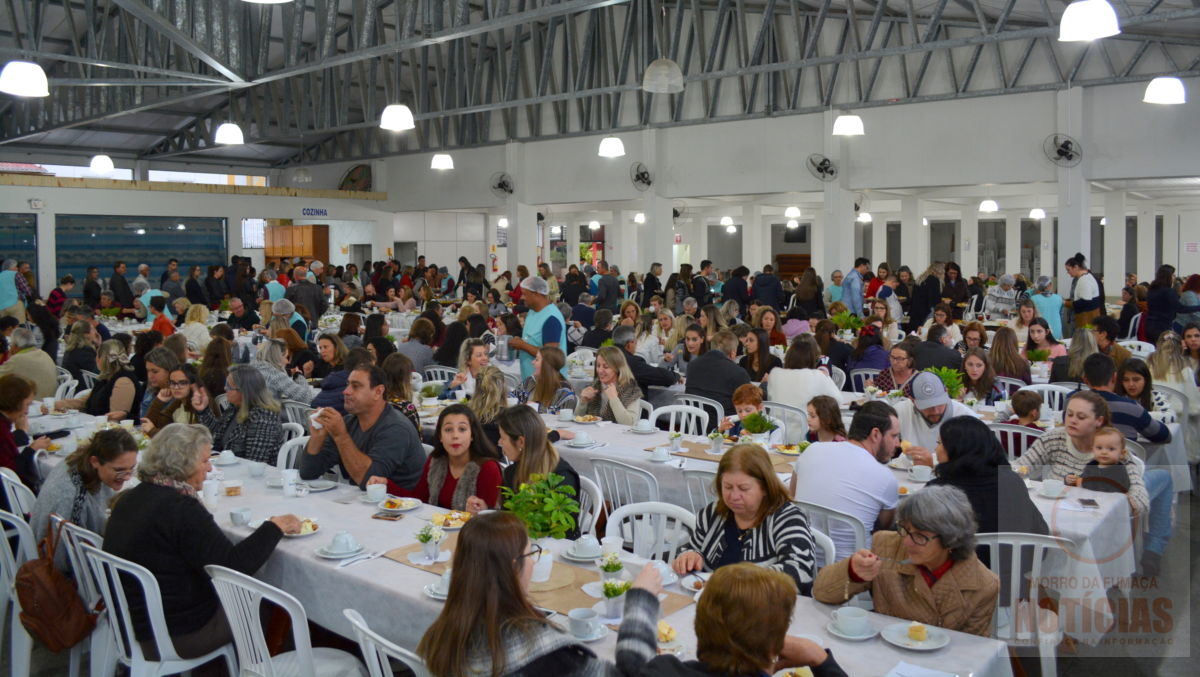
1089 503
390 517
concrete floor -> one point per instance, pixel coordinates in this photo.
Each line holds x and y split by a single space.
1180 573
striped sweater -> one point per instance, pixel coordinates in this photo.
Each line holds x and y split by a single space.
1054 456
781 542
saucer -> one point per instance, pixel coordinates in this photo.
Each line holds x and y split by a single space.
601 632
668 459
648 431
432 592
216 460
326 553
576 445
910 478
850 638
320 485
572 557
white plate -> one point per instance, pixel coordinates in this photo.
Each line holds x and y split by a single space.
313 532
434 594
688 583
900 463
850 638
574 445
324 552
789 672
216 460
662 460
572 557
897 634
406 504
578 422
600 634
909 477
320 485
651 431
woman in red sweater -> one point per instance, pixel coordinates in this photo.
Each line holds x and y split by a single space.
462 465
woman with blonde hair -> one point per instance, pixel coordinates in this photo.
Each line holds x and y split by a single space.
613 395
250 424
472 358
708 318
116 393
195 327
265 311
490 398
547 388
1070 366
271 360
629 313
1170 367
1026 312
79 350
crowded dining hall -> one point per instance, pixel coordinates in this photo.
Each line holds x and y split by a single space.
364 339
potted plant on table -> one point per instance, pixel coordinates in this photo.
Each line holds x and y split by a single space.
676 441
951 378
611 567
759 428
716 438
614 597
548 509
430 537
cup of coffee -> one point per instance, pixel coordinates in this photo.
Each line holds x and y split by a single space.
582 439
240 517
660 454
343 541
258 469
583 622
227 456
127 423
643 424
443 584
512 401
376 492
851 621
566 414
48 403
921 473
1053 488
587 546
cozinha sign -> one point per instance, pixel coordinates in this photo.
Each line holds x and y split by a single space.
314 211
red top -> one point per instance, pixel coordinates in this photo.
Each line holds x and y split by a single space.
932 576
873 287
55 301
163 326
487 487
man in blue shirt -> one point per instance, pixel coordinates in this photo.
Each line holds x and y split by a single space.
852 286
544 324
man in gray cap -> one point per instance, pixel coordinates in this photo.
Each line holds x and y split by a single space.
544 324
286 311
921 417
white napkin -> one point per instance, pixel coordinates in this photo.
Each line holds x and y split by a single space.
1072 506
419 557
903 669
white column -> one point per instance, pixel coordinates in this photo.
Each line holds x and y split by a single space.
522 216
1012 243
697 237
833 227
968 241
879 238
1146 242
616 245
571 235
1046 247
47 246
383 235
756 237
658 233
1189 238
1074 198
914 237
1170 238
1114 243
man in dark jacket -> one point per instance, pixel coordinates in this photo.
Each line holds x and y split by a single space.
716 374
305 293
935 350
651 285
646 374
119 286
700 289
737 290
768 289
608 290
597 335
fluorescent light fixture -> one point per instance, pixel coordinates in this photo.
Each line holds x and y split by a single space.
24 78
594 225
503 222
793 224
726 220
989 206
848 124
792 212
731 229
611 146
1087 20
924 221
662 76
1167 91
1037 213
864 217
140 231
180 227
397 118
102 165
639 218
230 134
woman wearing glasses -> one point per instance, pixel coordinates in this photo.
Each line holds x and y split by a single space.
250 424
926 570
80 488
177 407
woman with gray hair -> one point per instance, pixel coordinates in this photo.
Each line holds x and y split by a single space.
1049 305
271 361
1002 299
250 423
162 525
925 571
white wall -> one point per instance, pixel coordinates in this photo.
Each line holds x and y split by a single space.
443 236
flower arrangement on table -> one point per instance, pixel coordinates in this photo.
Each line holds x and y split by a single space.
848 320
951 378
544 504
430 534
1037 355
616 588
757 424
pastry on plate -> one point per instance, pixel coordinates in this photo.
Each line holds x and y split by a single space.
917 632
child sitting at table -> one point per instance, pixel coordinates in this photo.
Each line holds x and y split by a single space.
1027 409
748 399
1106 472
825 422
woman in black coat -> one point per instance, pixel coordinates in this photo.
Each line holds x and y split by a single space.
194 288
926 295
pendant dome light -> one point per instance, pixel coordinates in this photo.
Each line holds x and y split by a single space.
397 117
441 161
24 78
864 217
792 213
594 225
639 218
1087 20
1037 213
229 134
989 206
502 223
101 165
663 75
611 147
793 224
848 124
1165 90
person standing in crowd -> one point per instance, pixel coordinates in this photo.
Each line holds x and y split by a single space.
119 286
852 286
608 290
926 295
305 293
700 288
1087 298
651 284
544 324
1163 304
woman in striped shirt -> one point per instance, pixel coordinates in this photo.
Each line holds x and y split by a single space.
752 520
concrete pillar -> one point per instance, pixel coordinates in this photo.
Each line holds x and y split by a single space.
914 237
1114 244
383 235
1046 247
522 216
658 232
1189 242
879 238
1012 243
47 263
832 246
756 237
1074 197
968 242
141 172
1170 238
1147 240
616 240
571 235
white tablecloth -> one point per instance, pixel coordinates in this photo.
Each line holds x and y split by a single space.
1171 456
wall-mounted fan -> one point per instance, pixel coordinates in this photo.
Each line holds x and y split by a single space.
639 174
821 167
501 184
1063 150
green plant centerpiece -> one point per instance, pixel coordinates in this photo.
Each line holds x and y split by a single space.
614 597
548 509
848 320
951 378
1037 355
758 427
432 390
611 567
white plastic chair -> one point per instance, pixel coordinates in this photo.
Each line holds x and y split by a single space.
1176 400
682 418
1016 439
645 409
102 645
1070 385
1020 604
296 412
292 430
1054 397
585 356
828 552
1137 452
1134 325
62 375
622 484
655 530
439 373
1140 349
794 419
12 556
838 376
242 597
511 381
66 389
20 497
290 451
378 650
713 408
1009 385
89 378
113 575
591 504
820 517
858 378
699 488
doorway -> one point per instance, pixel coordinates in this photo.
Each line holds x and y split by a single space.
359 253
405 253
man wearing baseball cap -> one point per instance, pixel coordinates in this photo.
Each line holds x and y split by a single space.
544 324
921 417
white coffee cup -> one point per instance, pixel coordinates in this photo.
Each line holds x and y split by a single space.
851 621
582 439
1052 488
583 622
643 424
660 454
566 414
430 401
587 546
127 423
239 517
921 473
211 490
443 584
611 544
376 492
48 403
227 456
258 469
512 401
343 541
